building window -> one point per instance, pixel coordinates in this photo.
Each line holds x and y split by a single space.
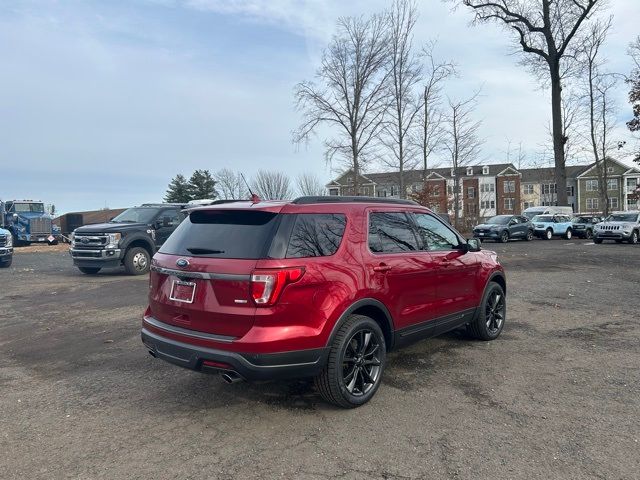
509 186
570 192
526 205
592 186
609 169
549 188
485 170
469 171
613 203
394 191
350 181
453 172
487 187
592 203
632 183
527 189
471 192
333 192
435 191
548 203
632 203
508 204
612 184
365 191
488 204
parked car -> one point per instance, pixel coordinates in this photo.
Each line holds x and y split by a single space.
6 248
502 228
620 226
549 226
318 287
583 225
550 210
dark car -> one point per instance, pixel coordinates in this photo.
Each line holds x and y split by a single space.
503 228
584 225
319 287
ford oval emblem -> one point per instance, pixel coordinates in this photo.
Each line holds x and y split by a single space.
182 263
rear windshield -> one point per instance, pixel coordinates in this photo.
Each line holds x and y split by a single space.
223 234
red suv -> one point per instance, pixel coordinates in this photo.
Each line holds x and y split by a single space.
318 287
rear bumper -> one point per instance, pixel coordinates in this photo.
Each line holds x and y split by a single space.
266 366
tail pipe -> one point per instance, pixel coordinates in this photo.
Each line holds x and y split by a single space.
230 376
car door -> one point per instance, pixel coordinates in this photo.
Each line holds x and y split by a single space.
166 222
456 270
401 275
515 228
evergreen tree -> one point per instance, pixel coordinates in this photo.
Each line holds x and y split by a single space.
202 185
178 191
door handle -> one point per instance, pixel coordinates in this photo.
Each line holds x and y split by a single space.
383 267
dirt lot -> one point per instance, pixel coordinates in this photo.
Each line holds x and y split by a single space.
557 396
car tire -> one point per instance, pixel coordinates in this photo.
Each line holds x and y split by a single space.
568 234
548 234
597 240
6 263
529 236
504 237
588 234
633 240
358 341
89 270
489 321
137 261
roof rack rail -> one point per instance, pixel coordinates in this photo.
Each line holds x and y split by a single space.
350 199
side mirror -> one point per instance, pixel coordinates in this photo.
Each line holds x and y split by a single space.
15 217
472 245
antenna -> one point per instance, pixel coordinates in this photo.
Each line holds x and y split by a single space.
254 197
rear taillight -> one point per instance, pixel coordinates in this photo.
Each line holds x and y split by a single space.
267 285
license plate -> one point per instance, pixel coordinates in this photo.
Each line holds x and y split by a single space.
481 234
183 291
41 239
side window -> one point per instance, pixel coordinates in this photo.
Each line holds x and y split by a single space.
391 233
316 235
435 234
514 220
175 217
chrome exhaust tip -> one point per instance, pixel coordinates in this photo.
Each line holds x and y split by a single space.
231 377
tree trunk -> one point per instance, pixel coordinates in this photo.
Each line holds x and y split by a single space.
558 137
356 166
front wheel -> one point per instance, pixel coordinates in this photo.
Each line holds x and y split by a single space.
137 261
504 237
89 270
568 234
597 240
490 318
588 234
356 362
529 236
548 234
6 263
633 240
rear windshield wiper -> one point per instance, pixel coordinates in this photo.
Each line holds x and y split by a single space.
203 251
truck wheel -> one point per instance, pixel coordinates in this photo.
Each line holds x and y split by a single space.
137 261
569 234
633 240
597 240
548 235
504 237
89 270
529 236
355 365
492 313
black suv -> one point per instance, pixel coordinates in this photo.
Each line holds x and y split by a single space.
502 228
130 239
583 225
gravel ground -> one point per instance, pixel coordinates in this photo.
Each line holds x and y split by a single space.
555 397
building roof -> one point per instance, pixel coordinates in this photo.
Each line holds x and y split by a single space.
532 175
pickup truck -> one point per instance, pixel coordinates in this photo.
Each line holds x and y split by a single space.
549 226
6 248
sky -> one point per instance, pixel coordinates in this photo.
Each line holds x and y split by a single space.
103 102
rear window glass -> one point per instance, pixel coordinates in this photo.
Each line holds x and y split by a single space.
316 235
391 233
223 234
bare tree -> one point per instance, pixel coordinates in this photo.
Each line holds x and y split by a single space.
272 185
405 76
350 93
634 93
430 132
600 108
462 141
308 184
544 30
230 185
